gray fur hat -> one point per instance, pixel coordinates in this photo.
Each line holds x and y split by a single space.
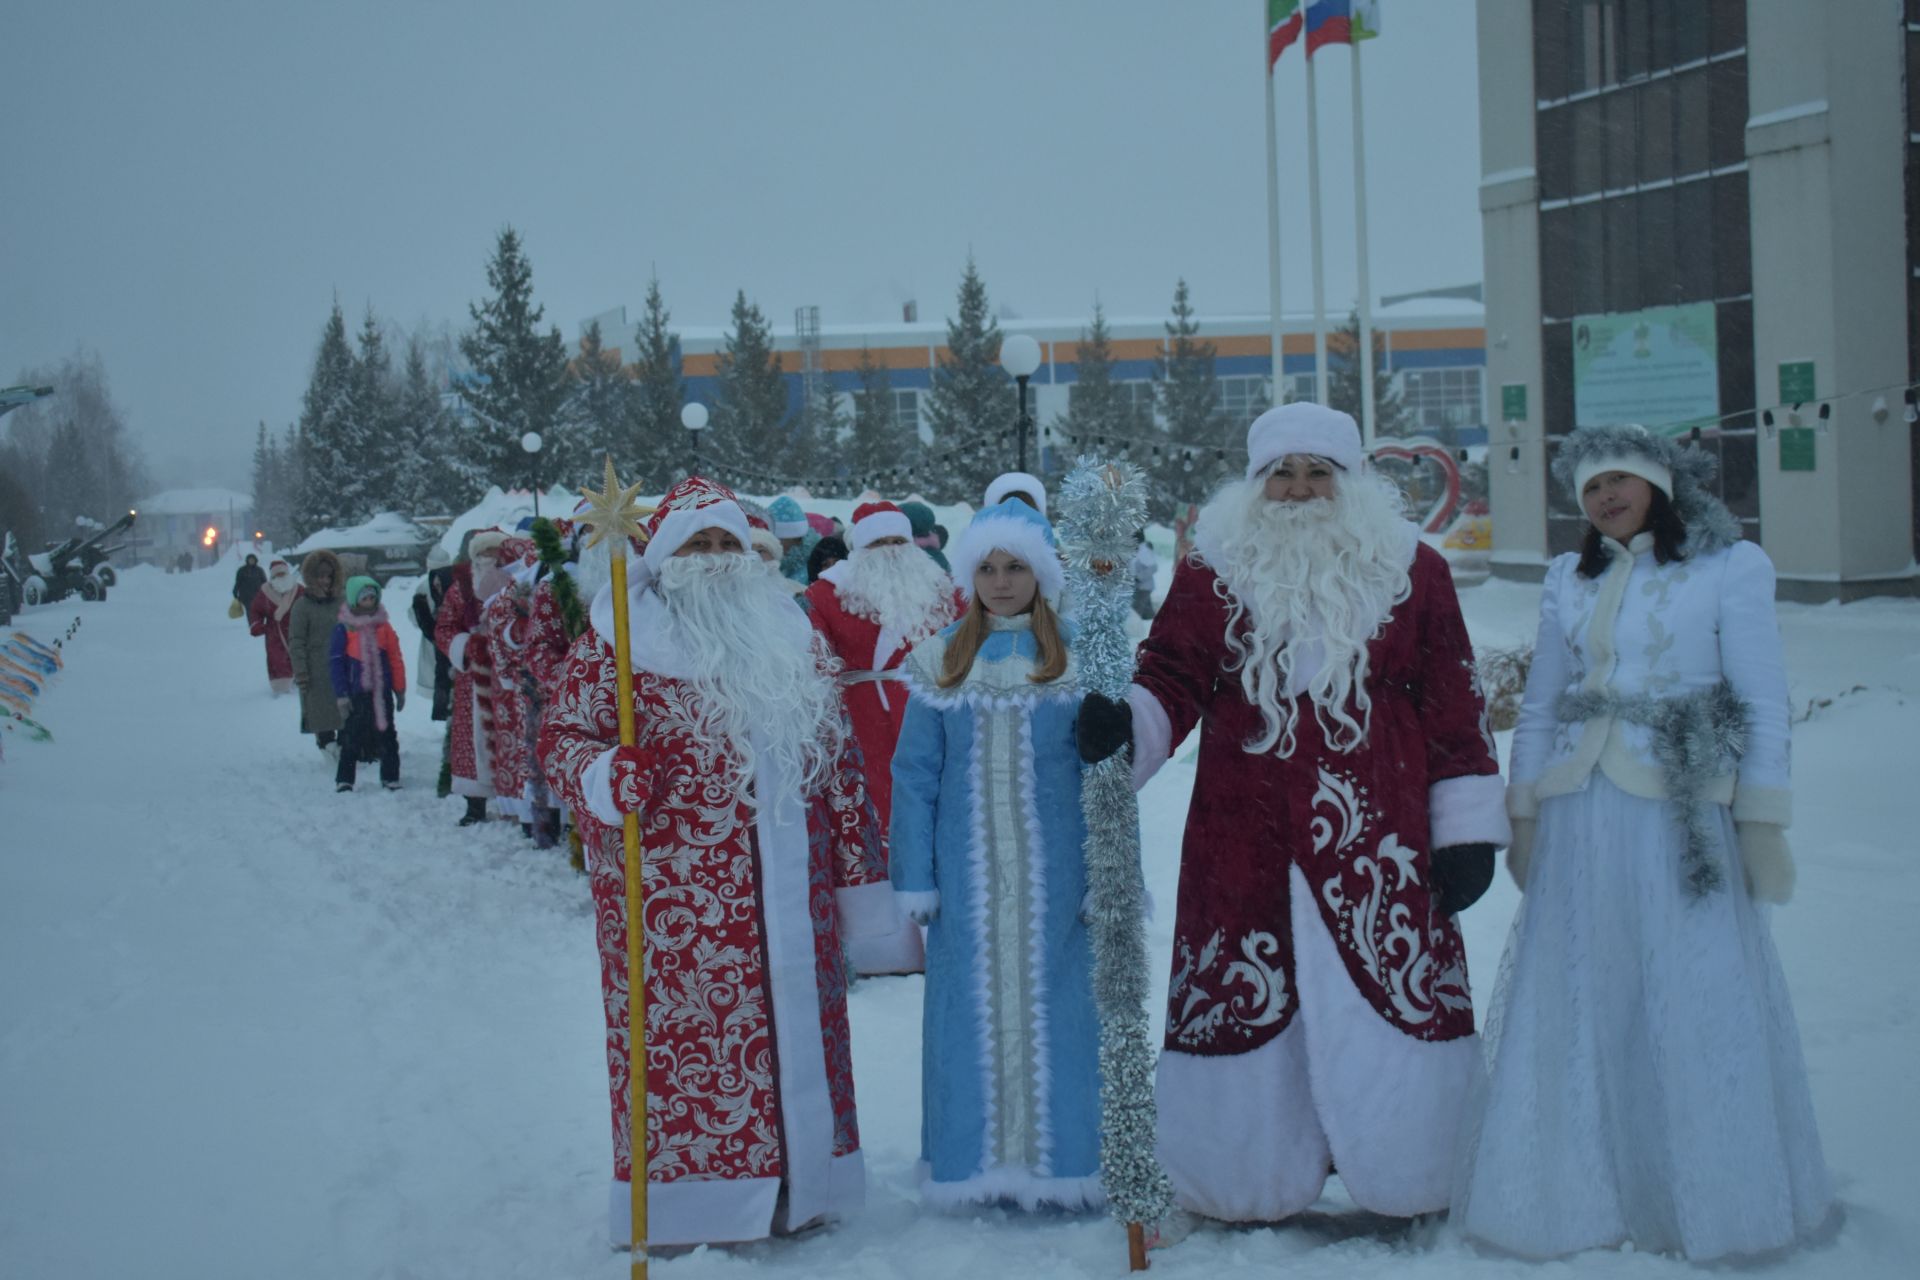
1710 526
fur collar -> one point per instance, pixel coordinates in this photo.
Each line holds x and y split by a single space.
1710 526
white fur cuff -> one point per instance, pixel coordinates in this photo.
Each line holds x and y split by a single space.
921 905
1468 810
1520 852
867 910
1763 804
457 651
597 783
1523 800
1768 861
1152 735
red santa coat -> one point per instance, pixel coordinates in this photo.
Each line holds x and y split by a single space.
456 633
504 621
1305 896
547 641
265 618
749 1065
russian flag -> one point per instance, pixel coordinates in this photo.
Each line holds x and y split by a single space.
1328 22
1283 28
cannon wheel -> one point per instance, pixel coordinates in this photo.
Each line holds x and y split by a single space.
106 575
90 588
34 592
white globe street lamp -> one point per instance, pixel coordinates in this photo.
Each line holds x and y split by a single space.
693 416
1020 356
531 442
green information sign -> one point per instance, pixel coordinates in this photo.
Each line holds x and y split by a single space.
1796 443
1796 386
1513 402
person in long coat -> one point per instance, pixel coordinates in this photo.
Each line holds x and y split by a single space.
458 634
1647 1084
309 635
989 848
756 848
269 615
1347 804
504 621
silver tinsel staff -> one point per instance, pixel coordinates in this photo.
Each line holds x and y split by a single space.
1102 505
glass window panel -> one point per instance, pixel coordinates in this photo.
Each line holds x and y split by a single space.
906 411
1634 37
1693 241
1589 145
1553 130
1732 237
1656 247
1656 130
1589 259
1550 51
1622 215
1556 262
1660 36
1727 112
1733 328
1556 377
1913 82
1692 121
1622 132
1729 25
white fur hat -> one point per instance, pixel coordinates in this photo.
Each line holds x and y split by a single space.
1016 528
1303 427
1016 482
1633 462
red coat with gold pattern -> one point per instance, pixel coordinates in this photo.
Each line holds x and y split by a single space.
749 1065
456 634
504 621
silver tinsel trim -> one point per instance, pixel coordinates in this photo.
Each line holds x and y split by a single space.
1102 504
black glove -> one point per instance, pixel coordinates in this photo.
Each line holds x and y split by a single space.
399 699
1104 727
1461 873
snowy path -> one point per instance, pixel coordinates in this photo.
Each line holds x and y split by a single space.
249 1027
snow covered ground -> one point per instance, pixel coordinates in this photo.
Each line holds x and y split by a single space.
249 1027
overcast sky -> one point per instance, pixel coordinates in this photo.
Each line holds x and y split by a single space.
188 185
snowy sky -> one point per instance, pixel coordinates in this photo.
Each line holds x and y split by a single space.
188 185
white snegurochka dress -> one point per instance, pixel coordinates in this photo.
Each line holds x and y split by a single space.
1645 1081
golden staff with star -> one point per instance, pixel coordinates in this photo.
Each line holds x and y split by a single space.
616 515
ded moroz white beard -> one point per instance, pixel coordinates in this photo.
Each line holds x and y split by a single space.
593 570
901 587
757 688
1316 580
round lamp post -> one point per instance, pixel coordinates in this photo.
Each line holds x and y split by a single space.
1020 356
531 442
693 416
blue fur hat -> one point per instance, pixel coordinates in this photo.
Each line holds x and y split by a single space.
1018 529
788 520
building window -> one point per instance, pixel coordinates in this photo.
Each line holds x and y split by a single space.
1441 401
1242 399
906 411
1137 395
1300 387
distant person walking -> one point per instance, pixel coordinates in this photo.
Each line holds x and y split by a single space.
268 615
309 633
247 581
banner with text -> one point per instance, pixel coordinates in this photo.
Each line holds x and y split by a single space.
1659 367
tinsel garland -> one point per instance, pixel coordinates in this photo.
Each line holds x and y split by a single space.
1102 505
566 592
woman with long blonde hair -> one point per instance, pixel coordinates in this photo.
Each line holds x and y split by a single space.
987 852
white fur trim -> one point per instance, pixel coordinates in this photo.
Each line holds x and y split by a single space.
1763 804
1028 1190
680 524
921 905
867 910
596 780
1005 486
1390 1105
988 534
1767 859
1303 427
722 1210
881 524
904 950
1523 800
1468 810
784 529
1152 735
1038 942
982 990
878 936
457 651
1634 464
485 543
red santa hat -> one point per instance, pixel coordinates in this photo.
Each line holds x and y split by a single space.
1303 427
875 520
694 504
277 560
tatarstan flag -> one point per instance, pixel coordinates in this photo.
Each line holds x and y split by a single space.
1283 28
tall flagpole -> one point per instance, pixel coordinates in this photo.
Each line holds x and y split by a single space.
1313 222
1360 234
1273 225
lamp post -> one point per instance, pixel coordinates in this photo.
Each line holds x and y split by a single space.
531 442
693 416
1020 356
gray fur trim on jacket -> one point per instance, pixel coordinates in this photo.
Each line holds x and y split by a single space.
1710 526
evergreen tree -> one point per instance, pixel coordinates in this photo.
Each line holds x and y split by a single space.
876 444
972 406
1343 380
1097 405
818 448
68 455
599 414
1198 453
749 423
519 381
374 444
271 512
329 447
653 446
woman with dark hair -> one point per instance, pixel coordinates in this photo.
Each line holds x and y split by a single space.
1646 1083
